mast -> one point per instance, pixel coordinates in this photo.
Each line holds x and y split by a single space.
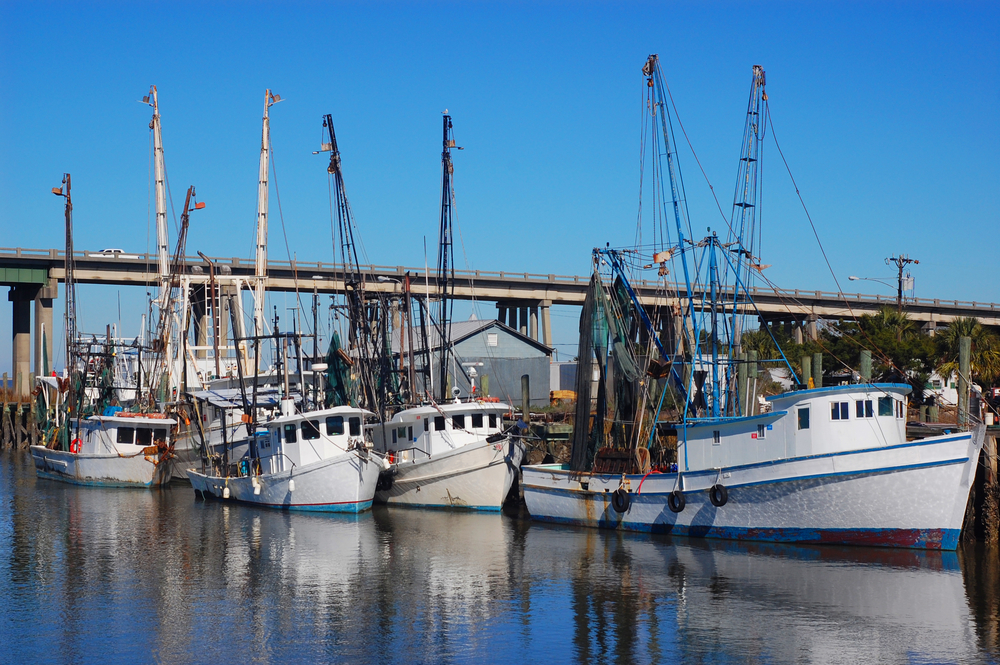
360 336
70 279
262 189
159 175
446 257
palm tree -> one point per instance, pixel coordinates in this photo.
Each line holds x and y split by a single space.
985 358
889 320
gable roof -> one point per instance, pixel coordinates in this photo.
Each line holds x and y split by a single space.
463 330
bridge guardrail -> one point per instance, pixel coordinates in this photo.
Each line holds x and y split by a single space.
502 275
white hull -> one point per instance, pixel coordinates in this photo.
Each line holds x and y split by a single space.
907 495
345 483
476 476
101 469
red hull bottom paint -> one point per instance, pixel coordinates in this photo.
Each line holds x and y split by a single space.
930 539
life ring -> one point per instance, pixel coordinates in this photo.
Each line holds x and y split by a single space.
75 446
718 495
621 500
676 501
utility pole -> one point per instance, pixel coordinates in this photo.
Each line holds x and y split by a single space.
900 262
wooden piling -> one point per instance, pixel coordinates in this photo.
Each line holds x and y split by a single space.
806 370
866 366
817 369
964 357
990 511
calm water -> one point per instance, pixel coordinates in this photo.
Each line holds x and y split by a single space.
91 575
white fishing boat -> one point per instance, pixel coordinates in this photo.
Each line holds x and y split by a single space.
318 460
122 450
827 465
814 465
453 455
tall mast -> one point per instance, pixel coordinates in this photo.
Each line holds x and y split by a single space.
159 173
261 268
362 339
445 266
70 279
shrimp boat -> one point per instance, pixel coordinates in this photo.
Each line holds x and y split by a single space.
317 460
818 464
453 455
121 450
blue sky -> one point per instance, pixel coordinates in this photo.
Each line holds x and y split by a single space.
887 112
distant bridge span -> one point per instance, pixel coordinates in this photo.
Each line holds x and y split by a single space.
32 275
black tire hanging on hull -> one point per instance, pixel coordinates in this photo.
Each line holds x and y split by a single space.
718 495
676 501
621 500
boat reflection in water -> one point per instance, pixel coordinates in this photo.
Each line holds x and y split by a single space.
94 573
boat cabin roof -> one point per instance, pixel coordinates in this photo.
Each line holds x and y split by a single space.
862 388
321 413
116 421
449 409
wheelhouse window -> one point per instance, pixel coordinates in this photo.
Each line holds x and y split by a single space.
761 431
804 418
355 426
290 433
143 436
334 425
400 433
126 434
900 409
394 435
839 411
885 406
493 420
863 408
409 431
438 423
427 424
310 430
160 434
458 422
716 437
477 420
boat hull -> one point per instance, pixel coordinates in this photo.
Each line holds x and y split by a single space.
344 484
476 476
910 495
101 470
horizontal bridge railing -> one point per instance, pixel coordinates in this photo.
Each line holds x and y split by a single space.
303 271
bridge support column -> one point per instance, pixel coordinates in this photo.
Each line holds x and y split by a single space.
522 324
21 297
811 330
797 333
533 330
502 313
546 323
43 328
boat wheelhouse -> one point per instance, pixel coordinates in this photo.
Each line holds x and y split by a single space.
120 450
317 460
451 455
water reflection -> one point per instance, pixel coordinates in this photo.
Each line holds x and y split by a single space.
93 574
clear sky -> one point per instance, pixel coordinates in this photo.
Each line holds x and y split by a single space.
887 112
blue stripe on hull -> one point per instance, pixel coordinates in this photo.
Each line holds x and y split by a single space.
932 539
346 507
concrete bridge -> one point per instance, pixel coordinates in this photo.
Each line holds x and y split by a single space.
33 275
